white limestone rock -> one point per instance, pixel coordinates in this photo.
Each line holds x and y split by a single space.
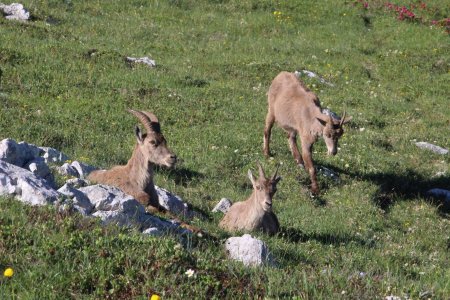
82 169
15 11
223 206
248 250
67 170
153 231
143 60
25 185
77 182
173 203
51 155
18 153
78 200
431 147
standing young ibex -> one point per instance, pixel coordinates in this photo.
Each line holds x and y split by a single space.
255 213
136 177
297 110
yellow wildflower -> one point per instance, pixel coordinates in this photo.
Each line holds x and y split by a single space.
155 297
9 272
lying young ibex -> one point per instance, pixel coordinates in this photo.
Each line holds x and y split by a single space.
136 177
255 213
297 110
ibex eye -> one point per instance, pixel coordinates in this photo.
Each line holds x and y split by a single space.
153 143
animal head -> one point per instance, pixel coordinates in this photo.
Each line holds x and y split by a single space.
152 144
332 129
264 188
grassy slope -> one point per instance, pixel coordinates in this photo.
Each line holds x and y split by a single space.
67 86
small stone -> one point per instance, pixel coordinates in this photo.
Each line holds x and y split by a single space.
143 60
67 170
248 250
431 147
223 206
82 168
15 11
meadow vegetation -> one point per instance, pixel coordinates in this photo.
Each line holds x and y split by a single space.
65 83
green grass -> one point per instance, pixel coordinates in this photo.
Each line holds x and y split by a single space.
373 234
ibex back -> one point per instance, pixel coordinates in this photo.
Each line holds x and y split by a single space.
136 177
297 110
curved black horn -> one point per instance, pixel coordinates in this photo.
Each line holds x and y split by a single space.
144 118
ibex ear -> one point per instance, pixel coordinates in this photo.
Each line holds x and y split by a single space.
251 177
346 120
139 135
277 179
322 121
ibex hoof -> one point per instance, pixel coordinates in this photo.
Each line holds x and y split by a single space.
315 191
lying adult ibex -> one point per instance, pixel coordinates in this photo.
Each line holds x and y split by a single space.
136 177
297 110
255 213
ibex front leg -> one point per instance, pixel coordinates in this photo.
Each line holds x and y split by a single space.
292 139
307 158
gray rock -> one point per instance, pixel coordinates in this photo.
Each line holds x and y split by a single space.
17 153
248 250
328 112
326 172
114 206
67 170
164 226
223 206
25 185
77 182
431 147
173 203
79 200
153 231
143 60
51 155
38 167
82 168
311 74
105 197
15 11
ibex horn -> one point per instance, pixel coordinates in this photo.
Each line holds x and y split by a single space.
276 173
261 171
342 119
145 119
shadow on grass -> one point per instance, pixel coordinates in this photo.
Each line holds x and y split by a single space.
405 184
180 175
294 235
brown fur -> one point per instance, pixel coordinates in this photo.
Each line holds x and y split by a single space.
255 213
136 177
297 110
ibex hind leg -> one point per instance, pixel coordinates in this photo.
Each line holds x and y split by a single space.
270 119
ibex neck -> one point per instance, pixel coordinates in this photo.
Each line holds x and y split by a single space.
141 170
